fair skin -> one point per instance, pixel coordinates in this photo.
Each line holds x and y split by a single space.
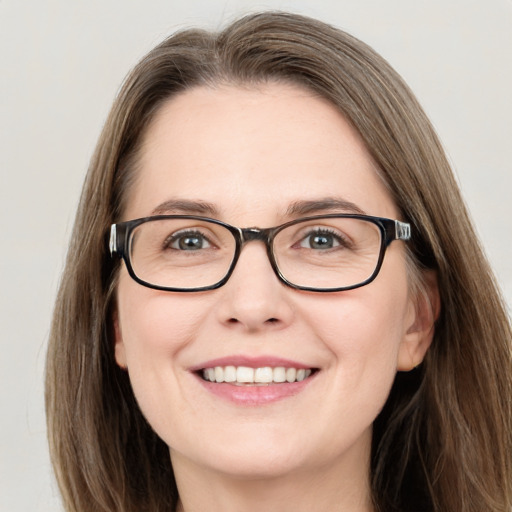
251 153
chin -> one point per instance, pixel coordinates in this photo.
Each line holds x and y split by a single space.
249 457
258 467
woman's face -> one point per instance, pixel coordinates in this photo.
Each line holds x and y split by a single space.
255 157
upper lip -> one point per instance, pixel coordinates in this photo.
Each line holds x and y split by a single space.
251 362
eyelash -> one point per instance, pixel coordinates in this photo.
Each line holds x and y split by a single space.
341 240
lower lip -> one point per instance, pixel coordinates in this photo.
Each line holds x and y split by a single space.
256 395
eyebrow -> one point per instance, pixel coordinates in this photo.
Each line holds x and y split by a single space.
327 204
186 207
296 208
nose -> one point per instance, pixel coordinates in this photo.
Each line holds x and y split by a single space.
254 299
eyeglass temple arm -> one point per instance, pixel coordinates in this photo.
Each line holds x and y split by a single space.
402 230
112 244
116 243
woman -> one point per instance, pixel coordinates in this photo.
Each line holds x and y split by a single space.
354 357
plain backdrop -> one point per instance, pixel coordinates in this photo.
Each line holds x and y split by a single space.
61 63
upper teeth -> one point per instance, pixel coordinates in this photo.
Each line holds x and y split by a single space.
246 375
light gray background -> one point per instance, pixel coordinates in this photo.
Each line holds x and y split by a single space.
61 63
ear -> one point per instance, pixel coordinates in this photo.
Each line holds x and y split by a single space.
119 349
420 323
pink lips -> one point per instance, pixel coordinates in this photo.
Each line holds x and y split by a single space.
252 395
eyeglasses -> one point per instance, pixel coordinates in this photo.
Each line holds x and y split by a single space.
186 253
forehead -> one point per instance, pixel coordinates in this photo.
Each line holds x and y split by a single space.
251 152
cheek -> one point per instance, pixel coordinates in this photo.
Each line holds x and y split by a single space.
359 324
155 328
359 333
363 329
154 323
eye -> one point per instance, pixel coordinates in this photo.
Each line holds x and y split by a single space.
321 240
187 241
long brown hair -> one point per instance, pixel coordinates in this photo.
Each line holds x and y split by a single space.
443 441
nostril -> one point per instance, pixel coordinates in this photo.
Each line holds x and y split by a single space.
268 321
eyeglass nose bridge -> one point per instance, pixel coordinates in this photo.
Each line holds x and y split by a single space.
250 234
264 235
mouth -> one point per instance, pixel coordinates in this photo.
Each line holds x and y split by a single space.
262 376
253 381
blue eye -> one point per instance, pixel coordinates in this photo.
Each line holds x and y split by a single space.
187 241
321 240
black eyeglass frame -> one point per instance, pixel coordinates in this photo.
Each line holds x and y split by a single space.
120 234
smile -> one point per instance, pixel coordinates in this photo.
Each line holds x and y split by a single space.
247 376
